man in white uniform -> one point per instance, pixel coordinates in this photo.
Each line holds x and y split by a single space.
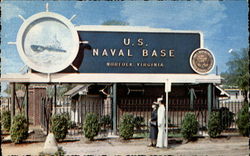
161 121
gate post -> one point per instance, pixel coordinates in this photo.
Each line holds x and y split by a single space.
114 109
13 100
54 108
27 102
209 98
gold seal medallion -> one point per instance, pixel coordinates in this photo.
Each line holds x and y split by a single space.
202 61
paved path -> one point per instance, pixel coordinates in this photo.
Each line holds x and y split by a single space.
234 146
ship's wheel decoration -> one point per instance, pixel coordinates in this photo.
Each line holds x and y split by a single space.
47 42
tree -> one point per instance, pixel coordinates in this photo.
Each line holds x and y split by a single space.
60 90
237 73
18 86
115 22
50 90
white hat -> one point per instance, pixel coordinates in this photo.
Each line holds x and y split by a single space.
158 102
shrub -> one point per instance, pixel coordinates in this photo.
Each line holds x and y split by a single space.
126 128
71 124
91 126
226 117
105 121
19 129
214 125
189 126
59 126
6 120
138 122
243 120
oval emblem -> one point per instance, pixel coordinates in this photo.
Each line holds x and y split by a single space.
202 61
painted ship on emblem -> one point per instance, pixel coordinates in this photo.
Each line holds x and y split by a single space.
56 47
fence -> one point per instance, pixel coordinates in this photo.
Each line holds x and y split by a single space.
46 107
177 109
77 109
234 107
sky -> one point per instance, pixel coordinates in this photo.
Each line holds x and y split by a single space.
223 23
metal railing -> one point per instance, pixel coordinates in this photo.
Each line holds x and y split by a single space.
137 107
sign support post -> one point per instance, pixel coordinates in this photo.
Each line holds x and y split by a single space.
27 102
167 89
55 92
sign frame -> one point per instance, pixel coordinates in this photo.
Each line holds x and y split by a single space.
125 30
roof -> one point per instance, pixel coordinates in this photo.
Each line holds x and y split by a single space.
79 88
109 78
223 93
233 89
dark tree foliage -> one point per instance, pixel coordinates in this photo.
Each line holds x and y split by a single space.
237 73
226 117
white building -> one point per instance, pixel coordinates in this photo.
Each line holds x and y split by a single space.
235 95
